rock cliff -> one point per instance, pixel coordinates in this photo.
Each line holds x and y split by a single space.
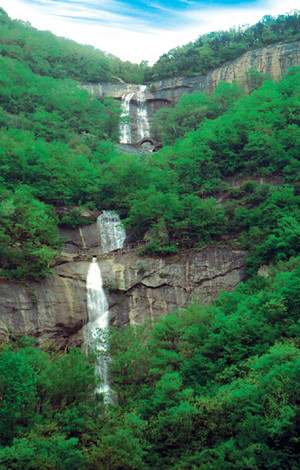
54 310
274 60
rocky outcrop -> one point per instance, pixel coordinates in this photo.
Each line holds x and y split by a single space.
148 288
54 310
274 60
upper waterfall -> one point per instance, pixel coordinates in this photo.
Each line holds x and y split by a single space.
143 126
134 108
125 127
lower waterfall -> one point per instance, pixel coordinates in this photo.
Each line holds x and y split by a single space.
112 236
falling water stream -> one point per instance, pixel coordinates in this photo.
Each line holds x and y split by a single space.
112 236
143 127
125 128
142 121
111 231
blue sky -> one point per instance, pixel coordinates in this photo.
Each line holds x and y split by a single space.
141 29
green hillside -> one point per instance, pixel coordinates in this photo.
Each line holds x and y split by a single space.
48 55
209 387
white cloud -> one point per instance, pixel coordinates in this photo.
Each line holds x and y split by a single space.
116 27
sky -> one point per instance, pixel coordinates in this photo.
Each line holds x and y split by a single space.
141 29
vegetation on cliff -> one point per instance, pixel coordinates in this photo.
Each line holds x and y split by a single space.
56 146
214 49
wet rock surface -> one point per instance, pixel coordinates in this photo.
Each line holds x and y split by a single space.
54 310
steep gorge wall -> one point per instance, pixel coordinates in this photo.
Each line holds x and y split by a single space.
54 310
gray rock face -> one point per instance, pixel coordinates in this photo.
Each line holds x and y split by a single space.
148 288
54 310
274 60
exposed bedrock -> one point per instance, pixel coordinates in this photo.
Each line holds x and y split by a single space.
274 60
54 310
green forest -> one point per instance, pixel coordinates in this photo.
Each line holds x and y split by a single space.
209 387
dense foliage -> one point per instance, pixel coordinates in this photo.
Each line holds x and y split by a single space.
28 235
212 50
208 387
56 152
46 401
48 55
53 109
50 133
170 124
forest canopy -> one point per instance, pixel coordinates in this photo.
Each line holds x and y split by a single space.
48 55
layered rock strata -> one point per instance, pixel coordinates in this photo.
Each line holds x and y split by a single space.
274 60
54 310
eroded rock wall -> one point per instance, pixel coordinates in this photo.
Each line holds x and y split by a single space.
147 288
274 60
54 310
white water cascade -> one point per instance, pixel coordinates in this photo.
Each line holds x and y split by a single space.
112 237
139 114
111 231
125 128
143 127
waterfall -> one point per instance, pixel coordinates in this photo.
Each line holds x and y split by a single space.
143 127
138 114
112 237
111 231
97 307
125 127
